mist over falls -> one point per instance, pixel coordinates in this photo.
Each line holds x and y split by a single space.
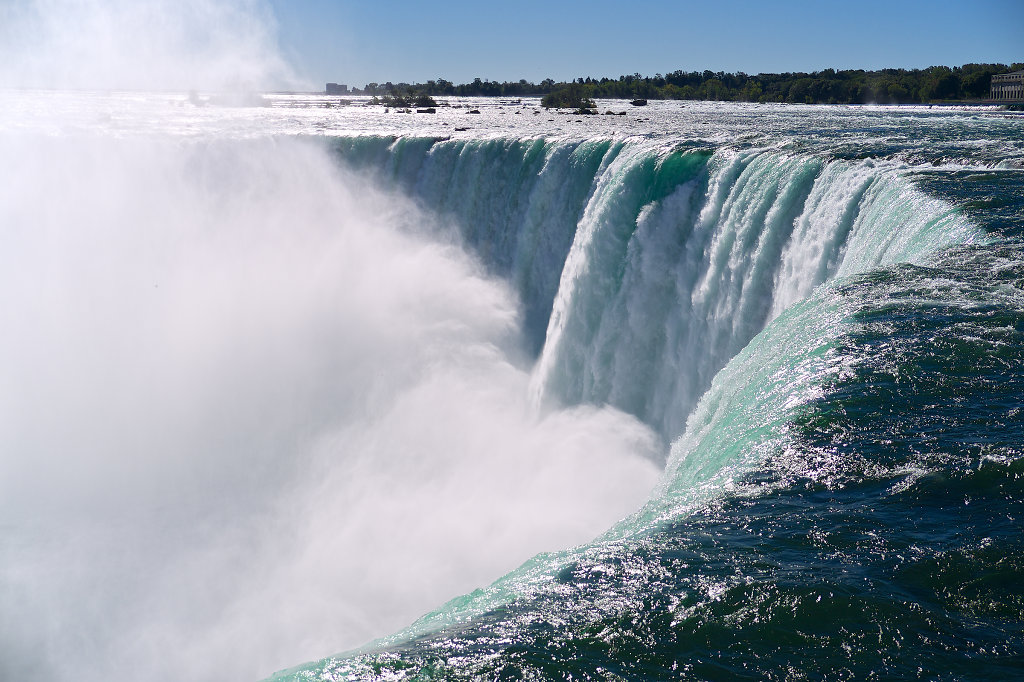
219 45
253 419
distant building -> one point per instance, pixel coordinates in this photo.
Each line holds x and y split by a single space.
1008 86
337 89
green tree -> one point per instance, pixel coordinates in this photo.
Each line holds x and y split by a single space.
573 96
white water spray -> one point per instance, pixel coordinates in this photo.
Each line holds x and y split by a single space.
222 45
250 419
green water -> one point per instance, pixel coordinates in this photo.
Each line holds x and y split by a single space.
845 499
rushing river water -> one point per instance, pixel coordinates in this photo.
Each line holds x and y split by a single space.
684 391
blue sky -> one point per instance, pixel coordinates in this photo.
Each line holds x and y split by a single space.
359 41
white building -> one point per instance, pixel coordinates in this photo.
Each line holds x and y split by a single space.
1008 86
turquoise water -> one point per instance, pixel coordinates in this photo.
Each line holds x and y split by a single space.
828 335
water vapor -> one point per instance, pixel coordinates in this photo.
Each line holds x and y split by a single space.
222 45
254 414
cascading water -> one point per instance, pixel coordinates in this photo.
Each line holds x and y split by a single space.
514 202
679 261
671 260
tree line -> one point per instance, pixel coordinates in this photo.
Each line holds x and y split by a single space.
851 86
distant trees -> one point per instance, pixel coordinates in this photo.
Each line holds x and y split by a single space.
572 96
409 99
886 86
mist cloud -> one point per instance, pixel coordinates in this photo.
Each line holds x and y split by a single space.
153 45
254 412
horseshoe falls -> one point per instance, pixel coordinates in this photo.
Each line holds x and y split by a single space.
643 269
708 391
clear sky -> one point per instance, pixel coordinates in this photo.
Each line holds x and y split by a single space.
360 41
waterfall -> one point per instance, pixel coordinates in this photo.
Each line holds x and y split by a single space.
642 269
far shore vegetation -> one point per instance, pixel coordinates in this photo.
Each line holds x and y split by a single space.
935 84
411 98
569 95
